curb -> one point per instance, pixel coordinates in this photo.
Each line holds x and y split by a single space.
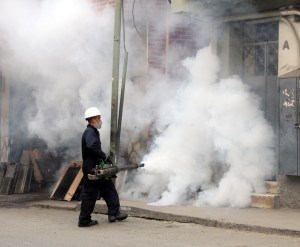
154 215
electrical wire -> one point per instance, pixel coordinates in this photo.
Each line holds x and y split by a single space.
132 11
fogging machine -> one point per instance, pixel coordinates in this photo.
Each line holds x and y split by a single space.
106 168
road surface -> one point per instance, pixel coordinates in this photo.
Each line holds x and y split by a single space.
38 227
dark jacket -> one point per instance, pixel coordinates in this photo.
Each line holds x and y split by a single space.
91 149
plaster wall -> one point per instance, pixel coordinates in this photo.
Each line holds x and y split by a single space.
289 191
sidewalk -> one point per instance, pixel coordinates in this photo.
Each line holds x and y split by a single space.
275 221
271 221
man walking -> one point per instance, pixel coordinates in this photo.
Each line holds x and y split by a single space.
91 154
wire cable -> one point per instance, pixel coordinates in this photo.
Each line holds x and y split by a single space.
132 11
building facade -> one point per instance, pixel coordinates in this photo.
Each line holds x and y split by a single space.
259 41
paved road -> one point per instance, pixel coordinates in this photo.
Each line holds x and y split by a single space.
36 227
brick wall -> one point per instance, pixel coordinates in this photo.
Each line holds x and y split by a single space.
185 40
184 35
170 40
158 35
161 38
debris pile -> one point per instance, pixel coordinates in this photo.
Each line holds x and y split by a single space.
35 170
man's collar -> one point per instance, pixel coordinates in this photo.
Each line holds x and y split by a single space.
91 126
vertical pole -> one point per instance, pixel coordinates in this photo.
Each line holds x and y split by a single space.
115 81
121 104
4 120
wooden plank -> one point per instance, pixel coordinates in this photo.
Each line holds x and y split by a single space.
20 180
64 170
25 158
23 179
46 168
72 189
2 171
8 183
66 182
77 163
35 154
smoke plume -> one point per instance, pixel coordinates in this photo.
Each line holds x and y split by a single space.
216 148
213 145
60 53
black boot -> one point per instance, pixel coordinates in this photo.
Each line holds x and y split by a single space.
90 223
119 216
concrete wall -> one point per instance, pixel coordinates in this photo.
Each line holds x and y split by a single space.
289 191
230 49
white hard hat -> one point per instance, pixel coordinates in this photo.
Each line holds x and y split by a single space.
91 112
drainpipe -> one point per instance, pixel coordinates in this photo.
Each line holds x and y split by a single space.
249 17
115 81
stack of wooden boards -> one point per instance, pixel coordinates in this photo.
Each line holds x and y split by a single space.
36 168
15 178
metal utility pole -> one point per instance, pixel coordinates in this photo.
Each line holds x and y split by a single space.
4 120
115 80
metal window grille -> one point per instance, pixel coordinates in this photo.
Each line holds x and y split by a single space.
260 49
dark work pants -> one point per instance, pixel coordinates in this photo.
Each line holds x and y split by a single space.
91 189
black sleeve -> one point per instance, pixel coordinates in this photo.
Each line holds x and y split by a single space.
93 144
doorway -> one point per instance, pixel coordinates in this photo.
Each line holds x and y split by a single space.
260 64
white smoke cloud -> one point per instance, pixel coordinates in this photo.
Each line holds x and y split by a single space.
215 146
62 51
216 149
